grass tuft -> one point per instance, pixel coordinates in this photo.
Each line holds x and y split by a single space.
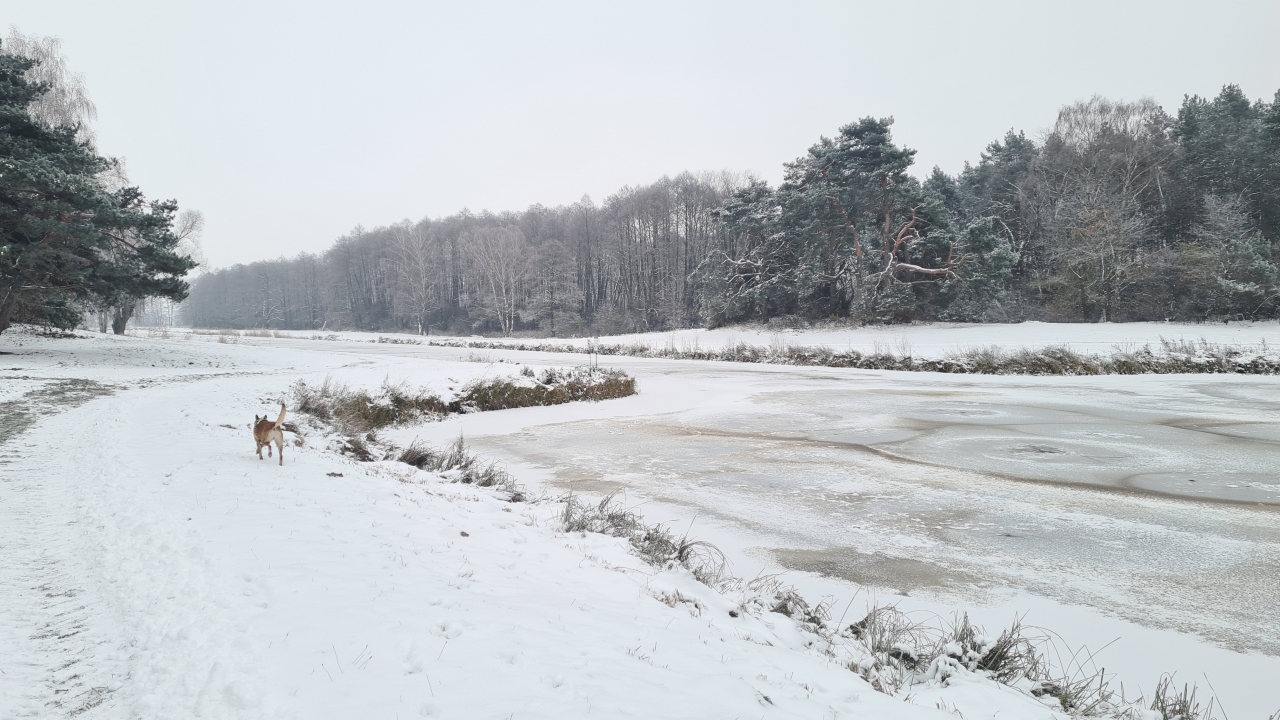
656 544
359 411
1009 657
1174 705
457 463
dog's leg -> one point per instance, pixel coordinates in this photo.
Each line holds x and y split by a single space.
280 449
259 451
268 445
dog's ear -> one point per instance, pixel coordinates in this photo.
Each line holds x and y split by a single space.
255 419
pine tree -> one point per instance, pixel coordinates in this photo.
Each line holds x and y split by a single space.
66 239
1233 151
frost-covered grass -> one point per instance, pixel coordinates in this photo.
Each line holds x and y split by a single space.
459 464
551 386
1170 357
356 411
357 414
1165 355
656 544
895 653
993 349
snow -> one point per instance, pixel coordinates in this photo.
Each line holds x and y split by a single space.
156 568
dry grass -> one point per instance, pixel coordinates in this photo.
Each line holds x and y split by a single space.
893 644
1006 658
229 333
358 412
1174 705
1169 358
656 544
550 387
457 463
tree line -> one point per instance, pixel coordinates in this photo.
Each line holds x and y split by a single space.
628 263
1119 212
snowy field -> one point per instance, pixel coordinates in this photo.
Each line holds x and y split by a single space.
154 567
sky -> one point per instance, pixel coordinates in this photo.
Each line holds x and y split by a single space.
288 124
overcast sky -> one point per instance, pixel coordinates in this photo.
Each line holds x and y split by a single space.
288 124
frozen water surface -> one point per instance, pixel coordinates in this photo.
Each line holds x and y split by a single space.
1154 497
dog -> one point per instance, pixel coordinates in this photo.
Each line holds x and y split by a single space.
266 432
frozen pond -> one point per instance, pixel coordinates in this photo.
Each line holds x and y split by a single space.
1153 498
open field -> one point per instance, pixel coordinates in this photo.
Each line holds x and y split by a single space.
186 574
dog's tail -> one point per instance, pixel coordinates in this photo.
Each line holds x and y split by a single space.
280 420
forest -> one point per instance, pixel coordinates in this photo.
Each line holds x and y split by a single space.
1119 212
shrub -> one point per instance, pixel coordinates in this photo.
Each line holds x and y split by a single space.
355 412
550 387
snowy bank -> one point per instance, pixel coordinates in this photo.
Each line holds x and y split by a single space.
158 569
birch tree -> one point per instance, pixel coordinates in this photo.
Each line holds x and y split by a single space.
498 256
417 273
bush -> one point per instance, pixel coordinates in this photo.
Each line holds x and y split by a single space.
356 412
550 387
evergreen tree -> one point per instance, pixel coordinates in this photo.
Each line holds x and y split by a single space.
65 238
995 187
1226 268
1232 151
755 276
850 233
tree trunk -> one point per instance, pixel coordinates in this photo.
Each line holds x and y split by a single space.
10 303
120 317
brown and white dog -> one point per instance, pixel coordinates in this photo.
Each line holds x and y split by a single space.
266 432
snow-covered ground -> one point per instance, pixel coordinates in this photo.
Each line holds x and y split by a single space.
154 567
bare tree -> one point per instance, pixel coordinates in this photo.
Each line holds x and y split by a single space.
1093 196
1124 144
1097 253
189 228
67 103
417 273
498 256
